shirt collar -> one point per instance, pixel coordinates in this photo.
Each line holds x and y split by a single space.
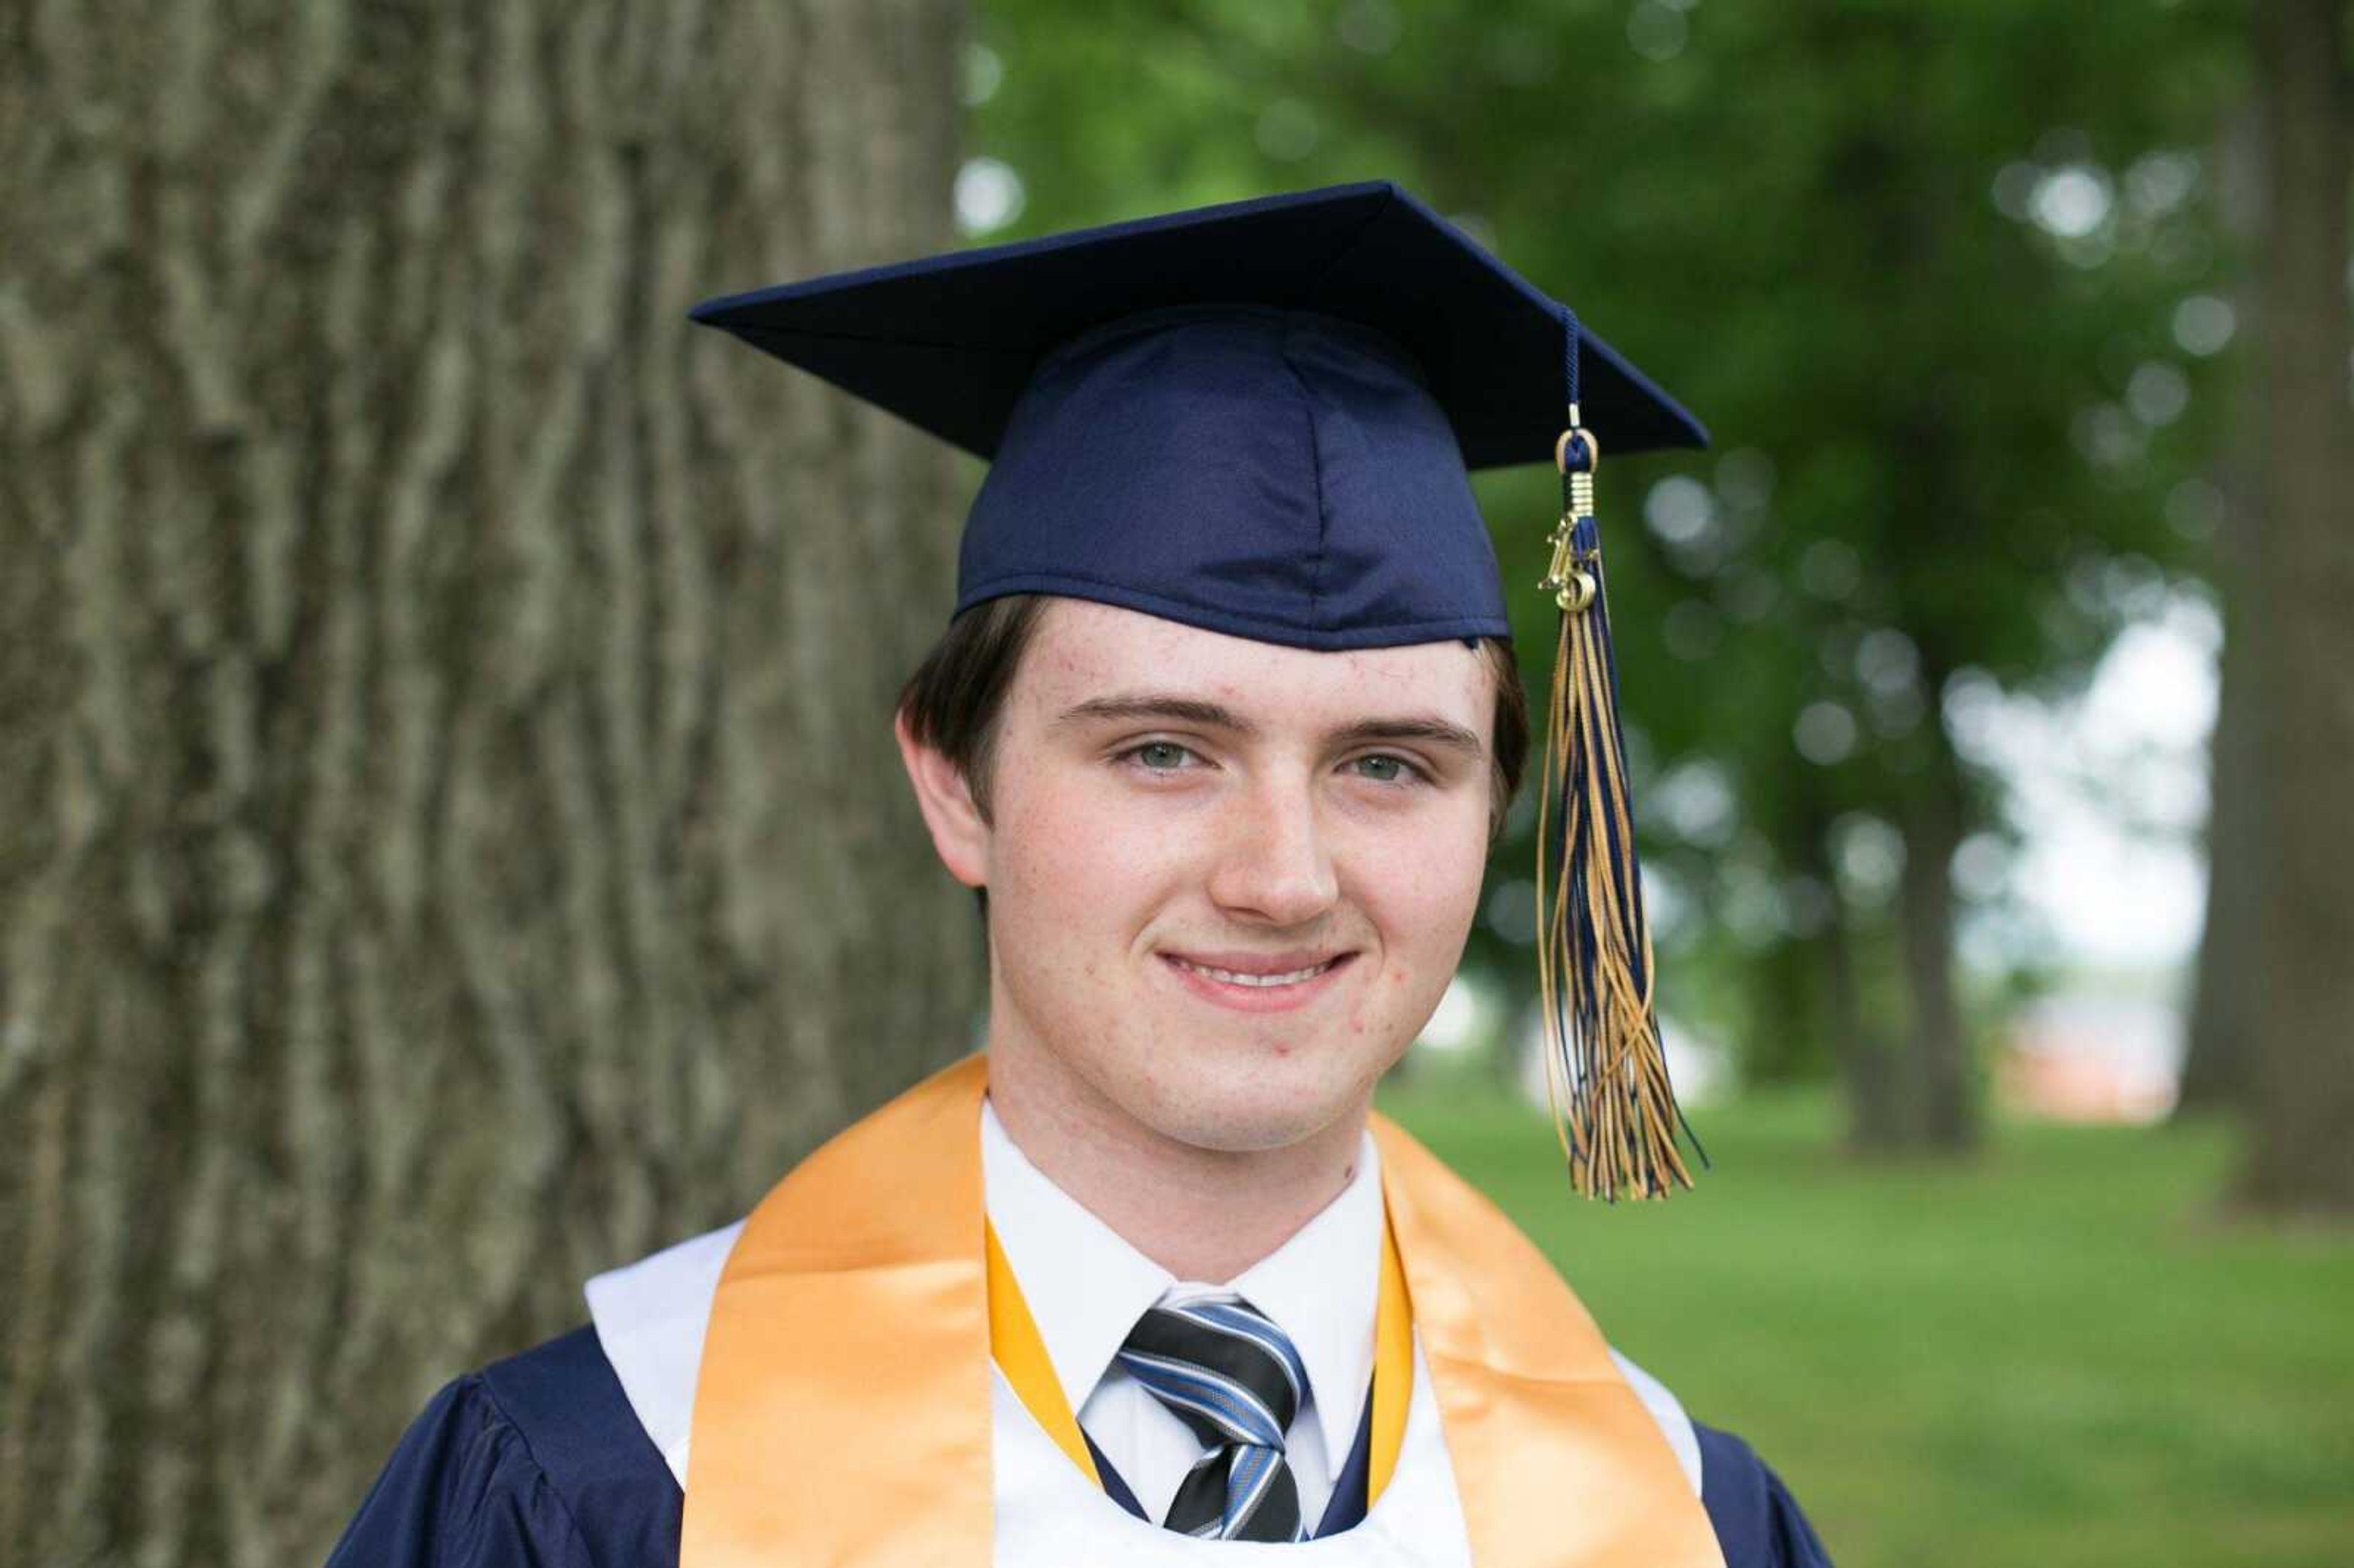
1085 1286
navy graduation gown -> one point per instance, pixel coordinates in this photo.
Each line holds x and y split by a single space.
539 1462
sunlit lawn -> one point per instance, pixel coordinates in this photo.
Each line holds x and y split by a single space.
2058 1355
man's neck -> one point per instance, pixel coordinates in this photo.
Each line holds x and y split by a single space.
1202 1214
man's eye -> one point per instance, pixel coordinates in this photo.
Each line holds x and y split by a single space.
1384 769
1159 756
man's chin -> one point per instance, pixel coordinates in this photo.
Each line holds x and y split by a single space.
1247 1122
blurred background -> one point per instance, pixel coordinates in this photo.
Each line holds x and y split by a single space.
452 843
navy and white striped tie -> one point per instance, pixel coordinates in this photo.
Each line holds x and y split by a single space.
1231 1376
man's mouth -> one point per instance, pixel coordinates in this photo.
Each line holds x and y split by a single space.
1244 978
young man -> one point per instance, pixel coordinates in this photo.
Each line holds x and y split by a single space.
1221 732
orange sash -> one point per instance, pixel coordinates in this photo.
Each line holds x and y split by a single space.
842 1411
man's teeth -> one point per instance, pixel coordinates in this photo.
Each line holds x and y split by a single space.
1231 977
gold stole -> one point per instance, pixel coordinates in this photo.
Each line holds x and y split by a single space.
842 1412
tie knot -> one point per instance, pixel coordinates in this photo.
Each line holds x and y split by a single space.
1220 1366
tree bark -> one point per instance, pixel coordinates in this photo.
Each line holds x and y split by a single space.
2225 1003
1881 1082
2226 975
2302 1157
1931 821
1878 1081
453 841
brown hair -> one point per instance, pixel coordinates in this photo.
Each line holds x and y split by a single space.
956 697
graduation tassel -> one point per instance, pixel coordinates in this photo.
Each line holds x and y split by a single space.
1606 1065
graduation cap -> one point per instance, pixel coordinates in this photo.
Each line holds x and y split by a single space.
1258 418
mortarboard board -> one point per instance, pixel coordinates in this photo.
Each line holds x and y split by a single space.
1258 418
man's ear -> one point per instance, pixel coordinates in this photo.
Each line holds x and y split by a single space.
958 835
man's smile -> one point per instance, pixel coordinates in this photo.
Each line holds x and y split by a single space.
1273 982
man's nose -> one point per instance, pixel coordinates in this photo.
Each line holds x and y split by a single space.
1274 862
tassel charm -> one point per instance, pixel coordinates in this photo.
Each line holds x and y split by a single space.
1573 578
1606 1065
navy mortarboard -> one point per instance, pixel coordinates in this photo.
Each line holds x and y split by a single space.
1257 419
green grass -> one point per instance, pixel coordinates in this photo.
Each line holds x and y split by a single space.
2059 1355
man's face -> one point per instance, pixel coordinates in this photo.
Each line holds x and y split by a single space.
1170 803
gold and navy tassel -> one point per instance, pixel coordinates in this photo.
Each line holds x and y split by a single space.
1606 1065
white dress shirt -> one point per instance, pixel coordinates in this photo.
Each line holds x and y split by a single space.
1087 1287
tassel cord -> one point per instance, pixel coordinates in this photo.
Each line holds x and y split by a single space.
1614 1108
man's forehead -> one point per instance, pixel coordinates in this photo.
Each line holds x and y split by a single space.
1081 651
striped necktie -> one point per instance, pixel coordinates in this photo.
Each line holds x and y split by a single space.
1231 1376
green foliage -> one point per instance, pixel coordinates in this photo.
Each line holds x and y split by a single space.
1917 265
2057 1356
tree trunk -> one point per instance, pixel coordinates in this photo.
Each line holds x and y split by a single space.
1877 1079
2223 1011
2224 1001
1931 821
1883 1092
452 839
1782 1014
2301 1157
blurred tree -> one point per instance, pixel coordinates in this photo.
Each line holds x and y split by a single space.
2302 571
452 841
2226 978
1916 264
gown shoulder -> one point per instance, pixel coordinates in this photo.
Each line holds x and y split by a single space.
1758 1523
533 1462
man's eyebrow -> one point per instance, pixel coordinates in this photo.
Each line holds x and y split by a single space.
1444 733
1155 705
1429 729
